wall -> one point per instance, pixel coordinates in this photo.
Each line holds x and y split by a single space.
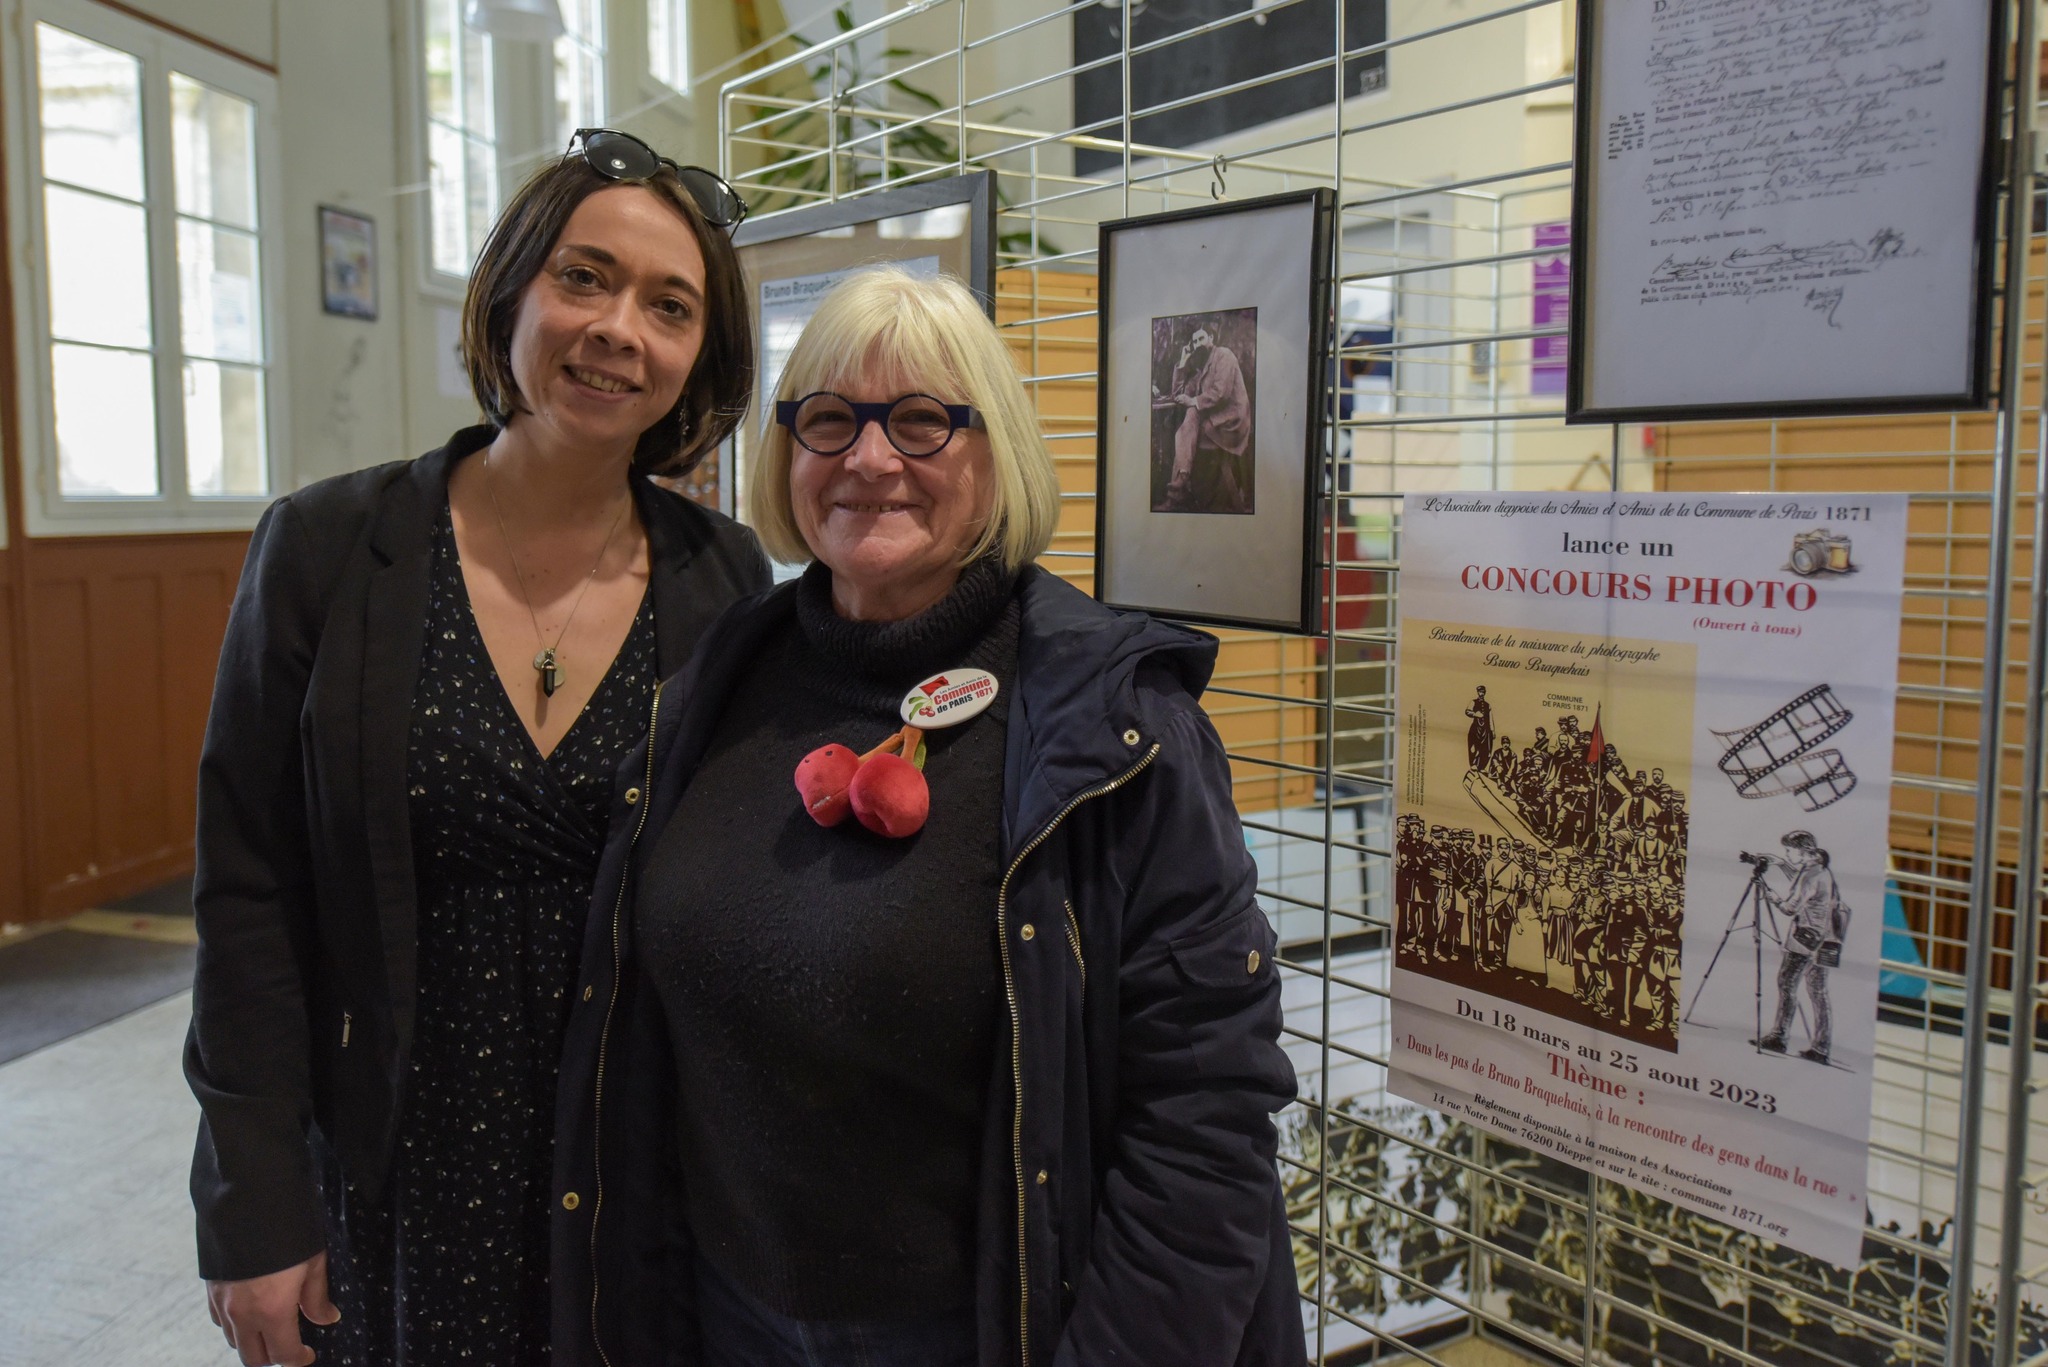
13 829
338 102
107 645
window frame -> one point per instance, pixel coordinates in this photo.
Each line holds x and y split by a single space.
46 511
522 111
653 82
604 48
417 155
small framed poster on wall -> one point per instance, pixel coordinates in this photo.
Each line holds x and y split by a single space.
1214 361
348 264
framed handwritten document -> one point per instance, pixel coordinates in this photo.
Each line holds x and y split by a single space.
1783 207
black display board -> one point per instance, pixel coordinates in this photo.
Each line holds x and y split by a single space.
1293 36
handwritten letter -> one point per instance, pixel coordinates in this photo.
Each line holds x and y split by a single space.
1784 199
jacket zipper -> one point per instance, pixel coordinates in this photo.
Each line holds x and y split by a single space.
346 1021
1017 1038
1074 943
605 1034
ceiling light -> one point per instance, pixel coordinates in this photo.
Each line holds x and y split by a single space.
529 21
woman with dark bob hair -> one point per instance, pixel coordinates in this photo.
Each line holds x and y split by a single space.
431 673
932 1020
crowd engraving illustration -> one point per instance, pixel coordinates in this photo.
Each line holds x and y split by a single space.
1567 891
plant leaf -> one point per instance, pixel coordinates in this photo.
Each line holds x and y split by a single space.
918 757
843 16
924 97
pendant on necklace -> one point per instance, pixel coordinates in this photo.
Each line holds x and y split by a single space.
550 672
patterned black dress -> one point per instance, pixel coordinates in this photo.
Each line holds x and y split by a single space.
451 1266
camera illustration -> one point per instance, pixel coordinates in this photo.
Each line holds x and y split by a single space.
1755 861
1820 551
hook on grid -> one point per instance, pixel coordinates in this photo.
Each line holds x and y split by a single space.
1218 164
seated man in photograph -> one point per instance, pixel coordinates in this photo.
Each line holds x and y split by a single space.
1210 473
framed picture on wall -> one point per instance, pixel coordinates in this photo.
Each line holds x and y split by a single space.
348 264
1214 361
792 259
1821 242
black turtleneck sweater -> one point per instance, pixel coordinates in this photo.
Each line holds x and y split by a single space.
833 994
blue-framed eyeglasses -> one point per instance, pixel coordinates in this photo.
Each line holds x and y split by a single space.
828 424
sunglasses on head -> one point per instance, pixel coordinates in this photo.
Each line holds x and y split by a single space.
623 157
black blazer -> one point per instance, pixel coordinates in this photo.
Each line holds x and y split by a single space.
302 1007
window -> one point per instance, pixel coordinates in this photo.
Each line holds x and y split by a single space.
462 137
220 289
579 69
147 279
668 43
490 112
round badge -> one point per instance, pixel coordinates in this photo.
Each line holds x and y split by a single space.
950 698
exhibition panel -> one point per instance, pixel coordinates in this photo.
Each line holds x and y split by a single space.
1827 861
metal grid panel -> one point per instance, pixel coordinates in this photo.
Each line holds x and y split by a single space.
1412 1230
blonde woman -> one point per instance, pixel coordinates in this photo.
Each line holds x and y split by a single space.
992 1088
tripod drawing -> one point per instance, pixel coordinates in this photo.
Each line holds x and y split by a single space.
1756 903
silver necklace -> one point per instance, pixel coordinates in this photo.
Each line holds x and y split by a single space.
548 663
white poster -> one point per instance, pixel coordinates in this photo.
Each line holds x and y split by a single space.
786 305
1643 792
1783 201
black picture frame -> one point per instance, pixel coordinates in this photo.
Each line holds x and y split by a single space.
1250 520
844 235
1976 394
348 263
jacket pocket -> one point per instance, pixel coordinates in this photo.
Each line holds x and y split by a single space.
1237 953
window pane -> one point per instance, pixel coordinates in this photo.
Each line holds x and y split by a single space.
579 68
106 422
477 110
99 268
462 172
584 20
579 89
214 152
443 30
483 197
221 297
91 113
445 176
225 434
668 42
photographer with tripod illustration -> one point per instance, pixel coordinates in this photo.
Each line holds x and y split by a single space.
1819 920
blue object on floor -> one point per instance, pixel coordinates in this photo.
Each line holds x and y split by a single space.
1899 947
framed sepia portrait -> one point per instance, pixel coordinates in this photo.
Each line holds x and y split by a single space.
1214 386
348 264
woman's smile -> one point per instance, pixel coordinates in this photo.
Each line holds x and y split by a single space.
602 382
856 506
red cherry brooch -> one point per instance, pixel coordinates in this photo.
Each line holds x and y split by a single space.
883 789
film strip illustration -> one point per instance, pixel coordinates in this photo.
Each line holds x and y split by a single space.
1783 754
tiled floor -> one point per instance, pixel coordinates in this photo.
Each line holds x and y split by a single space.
95 1229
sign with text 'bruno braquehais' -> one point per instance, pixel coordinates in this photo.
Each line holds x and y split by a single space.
1643 788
